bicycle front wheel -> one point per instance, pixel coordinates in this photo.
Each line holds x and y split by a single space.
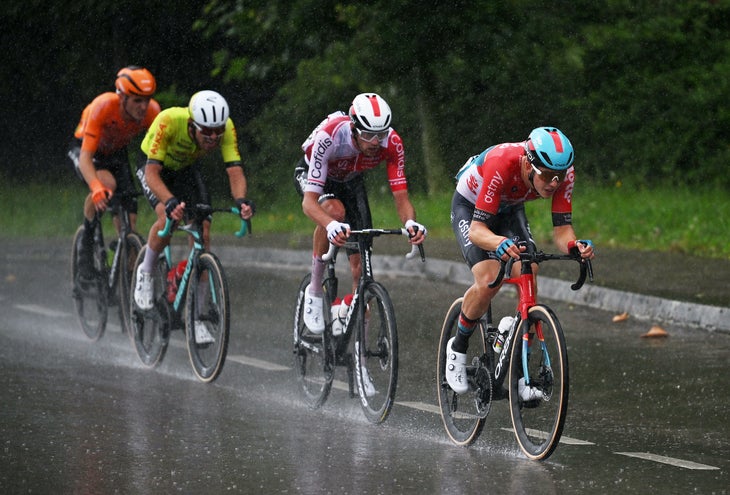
131 249
463 415
376 353
539 383
207 317
313 354
90 296
150 329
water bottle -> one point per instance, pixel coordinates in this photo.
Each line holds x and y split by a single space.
173 279
502 329
343 308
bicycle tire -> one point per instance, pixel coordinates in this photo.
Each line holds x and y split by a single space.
376 352
207 303
91 297
538 423
313 354
151 328
133 243
463 415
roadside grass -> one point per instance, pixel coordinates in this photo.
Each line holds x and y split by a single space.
622 216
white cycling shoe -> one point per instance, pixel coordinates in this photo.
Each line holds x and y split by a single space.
313 316
143 290
202 335
456 369
528 393
367 383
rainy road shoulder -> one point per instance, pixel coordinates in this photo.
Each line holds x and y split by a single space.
645 415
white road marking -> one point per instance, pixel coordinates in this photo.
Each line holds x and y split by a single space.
257 363
40 310
668 460
421 406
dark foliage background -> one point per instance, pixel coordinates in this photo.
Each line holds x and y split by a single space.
641 88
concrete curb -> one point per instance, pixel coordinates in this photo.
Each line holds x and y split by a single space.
642 307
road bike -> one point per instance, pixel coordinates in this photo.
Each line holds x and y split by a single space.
199 297
109 282
369 325
534 352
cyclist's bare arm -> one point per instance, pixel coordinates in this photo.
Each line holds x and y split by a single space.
406 212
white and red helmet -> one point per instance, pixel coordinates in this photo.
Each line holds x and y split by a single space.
370 112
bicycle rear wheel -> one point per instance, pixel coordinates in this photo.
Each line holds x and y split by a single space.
313 354
376 353
150 329
538 417
90 296
208 305
130 251
463 415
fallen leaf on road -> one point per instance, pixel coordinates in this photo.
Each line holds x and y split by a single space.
622 317
654 332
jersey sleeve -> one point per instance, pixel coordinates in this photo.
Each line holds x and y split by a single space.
562 205
321 149
229 145
154 144
95 115
396 163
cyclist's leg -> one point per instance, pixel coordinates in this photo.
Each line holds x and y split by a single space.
483 265
357 214
118 164
143 290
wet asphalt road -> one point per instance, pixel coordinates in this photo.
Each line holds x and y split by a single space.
645 416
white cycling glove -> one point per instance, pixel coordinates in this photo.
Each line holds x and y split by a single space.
414 224
334 228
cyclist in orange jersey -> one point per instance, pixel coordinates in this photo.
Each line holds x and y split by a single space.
99 147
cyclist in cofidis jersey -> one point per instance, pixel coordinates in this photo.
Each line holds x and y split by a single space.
487 210
171 178
99 148
330 180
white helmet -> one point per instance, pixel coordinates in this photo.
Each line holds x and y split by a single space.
208 109
369 112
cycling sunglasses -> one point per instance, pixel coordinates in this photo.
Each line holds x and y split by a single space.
210 131
370 137
557 177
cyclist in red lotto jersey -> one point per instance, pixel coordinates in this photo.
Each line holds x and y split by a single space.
99 147
330 180
487 211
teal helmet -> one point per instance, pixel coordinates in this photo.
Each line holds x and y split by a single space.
548 147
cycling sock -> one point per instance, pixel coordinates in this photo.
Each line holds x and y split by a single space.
149 260
465 329
317 272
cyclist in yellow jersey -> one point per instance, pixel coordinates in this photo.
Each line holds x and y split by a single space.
171 177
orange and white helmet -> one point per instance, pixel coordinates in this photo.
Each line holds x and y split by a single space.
136 81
